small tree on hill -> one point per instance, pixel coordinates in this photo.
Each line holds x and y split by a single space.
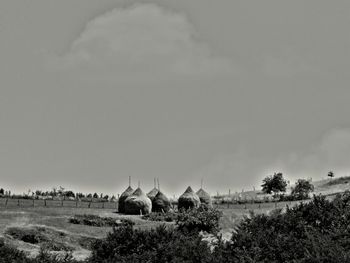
274 184
302 189
330 174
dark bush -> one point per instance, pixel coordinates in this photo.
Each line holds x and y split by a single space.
199 219
158 216
94 220
162 244
28 235
9 254
310 232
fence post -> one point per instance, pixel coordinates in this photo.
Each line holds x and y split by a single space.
62 203
89 204
6 202
103 205
18 202
33 203
45 202
76 203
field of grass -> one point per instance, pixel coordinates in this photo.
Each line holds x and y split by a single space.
19 224
53 224
31 228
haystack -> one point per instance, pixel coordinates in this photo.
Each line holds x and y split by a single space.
204 197
161 203
152 194
122 198
189 199
138 203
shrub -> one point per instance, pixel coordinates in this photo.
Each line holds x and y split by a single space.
94 220
314 232
28 235
9 254
55 246
157 216
199 219
163 244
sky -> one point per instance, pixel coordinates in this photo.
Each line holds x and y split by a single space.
92 92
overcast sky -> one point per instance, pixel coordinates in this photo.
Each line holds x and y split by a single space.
228 91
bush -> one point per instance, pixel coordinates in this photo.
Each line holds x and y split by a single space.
314 232
28 235
9 254
199 219
155 216
94 220
162 244
55 246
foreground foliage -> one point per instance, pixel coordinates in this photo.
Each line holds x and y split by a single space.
317 231
314 232
94 220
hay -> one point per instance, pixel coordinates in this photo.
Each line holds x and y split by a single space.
138 203
121 202
161 203
189 199
152 194
204 197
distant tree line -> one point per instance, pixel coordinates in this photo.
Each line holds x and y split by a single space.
59 192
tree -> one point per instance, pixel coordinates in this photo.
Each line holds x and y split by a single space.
274 184
69 194
2 191
330 174
302 189
80 195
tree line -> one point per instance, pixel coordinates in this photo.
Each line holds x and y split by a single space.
57 192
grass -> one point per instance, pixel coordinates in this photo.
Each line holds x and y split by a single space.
39 225
340 180
32 229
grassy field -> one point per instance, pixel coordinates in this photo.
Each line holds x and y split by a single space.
53 223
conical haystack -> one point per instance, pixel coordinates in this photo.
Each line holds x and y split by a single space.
122 198
152 193
189 199
204 197
138 203
161 203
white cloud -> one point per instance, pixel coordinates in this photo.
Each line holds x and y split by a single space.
141 39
